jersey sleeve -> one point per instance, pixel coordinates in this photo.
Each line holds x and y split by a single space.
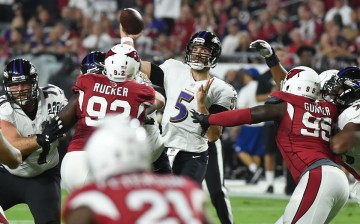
6 110
170 68
351 114
59 93
147 94
225 95
96 201
81 83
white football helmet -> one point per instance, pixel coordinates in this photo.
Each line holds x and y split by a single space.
119 145
302 81
122 62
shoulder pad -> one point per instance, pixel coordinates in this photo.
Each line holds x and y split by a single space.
170 63
5 107
52 89
273 100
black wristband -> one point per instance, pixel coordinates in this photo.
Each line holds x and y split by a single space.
272 60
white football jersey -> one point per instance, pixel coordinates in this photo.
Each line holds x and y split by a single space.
351 114
153 133
179 130
154 137
51 101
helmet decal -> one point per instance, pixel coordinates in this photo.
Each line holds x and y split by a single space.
293 72
134 55
122 63
109 53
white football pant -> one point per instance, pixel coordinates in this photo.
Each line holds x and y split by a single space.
318 197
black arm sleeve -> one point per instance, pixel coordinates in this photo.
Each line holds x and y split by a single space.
157 75
214 109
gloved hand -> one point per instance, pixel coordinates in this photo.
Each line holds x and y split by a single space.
262 47
202 119
52 131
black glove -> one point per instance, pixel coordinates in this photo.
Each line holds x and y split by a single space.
52 131
202 119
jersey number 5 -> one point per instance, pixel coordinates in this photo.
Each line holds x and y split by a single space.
183 112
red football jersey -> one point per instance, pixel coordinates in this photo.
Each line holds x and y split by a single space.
304 132
141 198
99 96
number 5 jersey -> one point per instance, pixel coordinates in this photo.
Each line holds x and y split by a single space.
179 131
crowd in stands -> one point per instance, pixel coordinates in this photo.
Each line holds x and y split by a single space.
79 26
320 34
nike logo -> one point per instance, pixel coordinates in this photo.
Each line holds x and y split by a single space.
195 157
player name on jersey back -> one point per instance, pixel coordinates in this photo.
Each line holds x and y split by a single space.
317 109
109 90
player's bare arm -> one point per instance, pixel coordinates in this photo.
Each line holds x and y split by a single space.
346 138
68 114
232 118
26 145
158 105
214 132
278 72
9 155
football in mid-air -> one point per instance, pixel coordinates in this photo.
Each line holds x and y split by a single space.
131 21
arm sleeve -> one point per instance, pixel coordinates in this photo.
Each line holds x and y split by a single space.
231 118
157 75
214 109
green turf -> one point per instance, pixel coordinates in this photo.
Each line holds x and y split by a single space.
245 210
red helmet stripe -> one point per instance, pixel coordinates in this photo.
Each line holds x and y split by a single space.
109 53
293 72
133 54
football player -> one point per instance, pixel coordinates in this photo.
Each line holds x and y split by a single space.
25 112
327 93
123 190
184 142
304 131
152 129
93 63
343 90
97 96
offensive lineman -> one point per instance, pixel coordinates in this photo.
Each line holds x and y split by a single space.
25 111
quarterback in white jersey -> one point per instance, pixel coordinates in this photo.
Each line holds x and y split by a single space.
184 140
178 129
26 113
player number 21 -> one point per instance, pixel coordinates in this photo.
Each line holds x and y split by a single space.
160 206
316 127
